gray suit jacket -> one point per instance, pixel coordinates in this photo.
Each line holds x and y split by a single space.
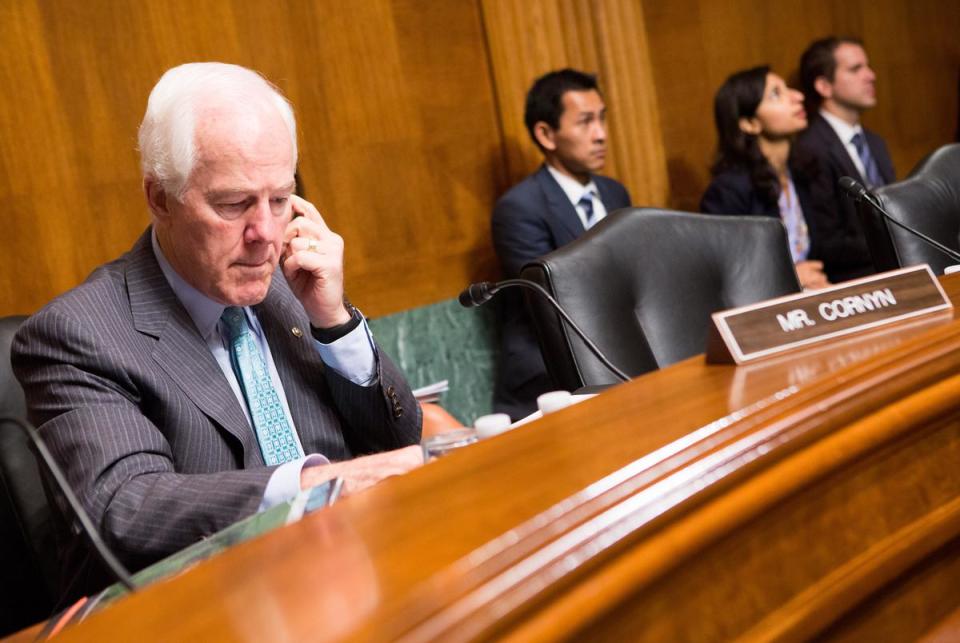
135 408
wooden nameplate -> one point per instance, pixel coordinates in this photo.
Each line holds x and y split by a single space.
749 333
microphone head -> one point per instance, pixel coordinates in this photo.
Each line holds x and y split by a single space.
466 299
852 188
477 294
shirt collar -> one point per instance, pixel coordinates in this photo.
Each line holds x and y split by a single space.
843 129
204 311
572 187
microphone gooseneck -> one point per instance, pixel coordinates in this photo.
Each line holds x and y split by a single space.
856 191
479 293
116 568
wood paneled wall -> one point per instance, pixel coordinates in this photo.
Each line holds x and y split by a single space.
400 146
410 112
606 37
696 44
403 146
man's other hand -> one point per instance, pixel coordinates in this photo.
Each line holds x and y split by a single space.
366 471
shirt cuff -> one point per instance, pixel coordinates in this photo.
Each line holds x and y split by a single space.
353 355
284 484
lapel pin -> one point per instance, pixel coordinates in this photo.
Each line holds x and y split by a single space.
296 331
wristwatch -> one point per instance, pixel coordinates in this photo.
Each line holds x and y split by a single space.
330 335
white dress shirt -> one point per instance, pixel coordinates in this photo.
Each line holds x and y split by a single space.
575 191
846 132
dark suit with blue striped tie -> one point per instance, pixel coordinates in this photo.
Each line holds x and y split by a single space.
534 218
843 245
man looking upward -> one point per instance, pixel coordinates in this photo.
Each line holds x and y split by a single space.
839 86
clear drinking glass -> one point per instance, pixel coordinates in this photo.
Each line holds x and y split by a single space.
443 443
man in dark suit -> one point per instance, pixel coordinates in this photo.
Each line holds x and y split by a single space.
215 369
566 118
839 86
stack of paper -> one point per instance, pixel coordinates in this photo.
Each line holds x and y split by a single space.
431 392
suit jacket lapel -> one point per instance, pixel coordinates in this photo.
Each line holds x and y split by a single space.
563 216
881 156
609 201
180 350
837 148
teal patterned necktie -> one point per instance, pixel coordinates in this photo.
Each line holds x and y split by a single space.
278 444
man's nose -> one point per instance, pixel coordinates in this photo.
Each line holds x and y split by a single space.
259 224
600 131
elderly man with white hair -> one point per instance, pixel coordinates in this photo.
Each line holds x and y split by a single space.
216 368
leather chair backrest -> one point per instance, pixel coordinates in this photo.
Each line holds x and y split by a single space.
29 573
643 282
929 201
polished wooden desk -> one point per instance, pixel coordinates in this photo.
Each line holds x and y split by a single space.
818 495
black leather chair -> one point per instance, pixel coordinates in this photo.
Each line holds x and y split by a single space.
28 564
929 201
643 282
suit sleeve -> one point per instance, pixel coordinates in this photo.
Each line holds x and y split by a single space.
520 234
119 463
379 417
375 400
619 197
834 231
725 196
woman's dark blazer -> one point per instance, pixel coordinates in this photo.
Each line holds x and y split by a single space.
732 192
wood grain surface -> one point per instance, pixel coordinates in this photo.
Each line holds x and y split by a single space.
410 112
399 140
695 44
604 37
689 504
410 119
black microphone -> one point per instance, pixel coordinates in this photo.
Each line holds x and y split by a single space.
853 188
856 191
119 572
480 293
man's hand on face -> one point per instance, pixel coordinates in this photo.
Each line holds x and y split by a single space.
360 473
312 262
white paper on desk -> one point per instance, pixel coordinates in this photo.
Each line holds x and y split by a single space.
431 392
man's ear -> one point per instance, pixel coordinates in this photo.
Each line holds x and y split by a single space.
157 197
750 125
545 135
823 86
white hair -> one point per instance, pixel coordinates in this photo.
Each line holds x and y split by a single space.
166 135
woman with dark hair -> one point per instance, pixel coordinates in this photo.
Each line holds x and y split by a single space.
757 116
